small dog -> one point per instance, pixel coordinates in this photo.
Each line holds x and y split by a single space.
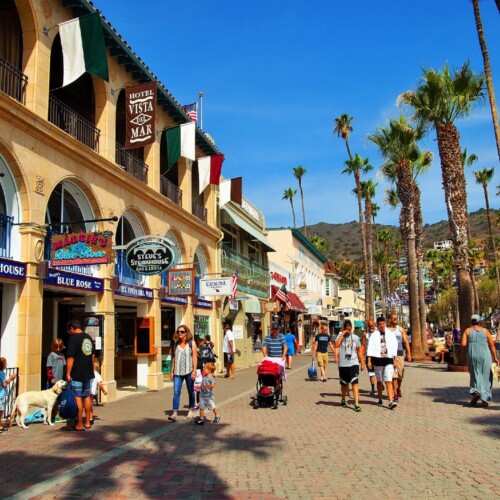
40 399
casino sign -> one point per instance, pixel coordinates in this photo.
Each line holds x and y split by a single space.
150 255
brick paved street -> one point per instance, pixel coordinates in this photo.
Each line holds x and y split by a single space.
432 445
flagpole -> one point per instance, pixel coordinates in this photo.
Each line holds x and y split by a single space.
200 95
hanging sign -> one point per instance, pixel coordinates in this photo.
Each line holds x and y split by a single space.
217 286
180 282
140 106
149 255
271 306
80 249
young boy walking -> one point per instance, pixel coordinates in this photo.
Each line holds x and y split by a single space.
207 395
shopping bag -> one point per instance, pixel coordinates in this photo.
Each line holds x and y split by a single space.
67 407
312 373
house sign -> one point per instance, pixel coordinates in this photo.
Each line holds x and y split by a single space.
150 255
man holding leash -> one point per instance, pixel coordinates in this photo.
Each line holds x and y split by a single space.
80 370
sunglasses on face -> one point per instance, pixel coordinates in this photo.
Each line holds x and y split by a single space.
181 331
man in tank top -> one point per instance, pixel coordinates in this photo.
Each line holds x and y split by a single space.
399 361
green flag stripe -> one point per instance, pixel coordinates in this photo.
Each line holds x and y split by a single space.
94 51
173 136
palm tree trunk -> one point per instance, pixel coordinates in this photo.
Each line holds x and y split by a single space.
293 212
487 71
492 239
303 208
362 231
454 186
349 149
369 259
475 295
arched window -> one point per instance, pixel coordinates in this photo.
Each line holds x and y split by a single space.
128 229
200 268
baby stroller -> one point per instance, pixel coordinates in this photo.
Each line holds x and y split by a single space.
269 385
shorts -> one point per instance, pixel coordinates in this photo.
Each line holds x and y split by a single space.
228 358
348 374
322 358
82 389
399 367
207 404
384 373
2 404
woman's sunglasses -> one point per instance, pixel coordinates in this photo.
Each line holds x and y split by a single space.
181 331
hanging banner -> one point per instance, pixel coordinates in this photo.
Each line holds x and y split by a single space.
216 286
140 110
80 249
180 282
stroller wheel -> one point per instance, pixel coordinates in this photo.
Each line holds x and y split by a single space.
255 403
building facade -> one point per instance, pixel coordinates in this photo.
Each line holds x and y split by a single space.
64 171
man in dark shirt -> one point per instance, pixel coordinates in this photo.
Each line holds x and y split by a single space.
80 370
320 349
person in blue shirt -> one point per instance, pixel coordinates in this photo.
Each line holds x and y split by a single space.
292 345
274 345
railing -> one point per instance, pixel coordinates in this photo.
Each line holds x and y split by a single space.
13 82
124 273
66 119
199 211
131 164
170 190
251 274
5 232
12 391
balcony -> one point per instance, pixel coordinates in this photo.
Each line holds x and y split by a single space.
72 123
198 210
252 277
5 231
13 82
131 164
124 273
170 190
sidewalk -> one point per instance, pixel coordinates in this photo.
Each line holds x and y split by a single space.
432 445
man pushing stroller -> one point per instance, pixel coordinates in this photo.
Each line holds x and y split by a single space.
274 345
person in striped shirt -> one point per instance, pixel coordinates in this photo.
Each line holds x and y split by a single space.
274 345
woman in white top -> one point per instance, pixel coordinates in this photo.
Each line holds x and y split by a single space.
184 364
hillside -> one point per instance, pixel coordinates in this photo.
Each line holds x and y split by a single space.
344 240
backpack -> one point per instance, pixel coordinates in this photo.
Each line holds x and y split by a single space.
207 353
67 407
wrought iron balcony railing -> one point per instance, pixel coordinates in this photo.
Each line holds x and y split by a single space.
131 164
66 119
5 232
12 81
170 190
198 210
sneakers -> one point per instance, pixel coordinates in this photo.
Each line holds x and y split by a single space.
393 405
399 394
372 393
357 408
396 397
380 402
343 404
216 419
199 421
174 417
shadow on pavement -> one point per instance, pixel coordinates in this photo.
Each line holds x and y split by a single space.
169 465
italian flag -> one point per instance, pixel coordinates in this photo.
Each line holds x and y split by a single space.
83 48
209 169
181 142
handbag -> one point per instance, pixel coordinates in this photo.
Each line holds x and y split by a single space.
68 407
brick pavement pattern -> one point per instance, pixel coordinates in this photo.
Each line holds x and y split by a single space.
432 445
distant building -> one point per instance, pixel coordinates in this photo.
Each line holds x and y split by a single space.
443 245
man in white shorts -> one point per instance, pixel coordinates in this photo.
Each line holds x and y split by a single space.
382 349
399 364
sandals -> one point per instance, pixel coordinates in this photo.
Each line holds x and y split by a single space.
484 404
475 399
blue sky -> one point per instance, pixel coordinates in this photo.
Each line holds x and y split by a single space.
276 73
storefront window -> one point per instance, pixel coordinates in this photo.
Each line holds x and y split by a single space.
202 326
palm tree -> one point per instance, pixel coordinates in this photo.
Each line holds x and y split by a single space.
288 194
299 172
438 101
397 143
355 166
484 177
368 192
487 71
343 129
385 238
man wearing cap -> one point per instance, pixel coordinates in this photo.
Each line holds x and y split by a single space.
274 345
322 341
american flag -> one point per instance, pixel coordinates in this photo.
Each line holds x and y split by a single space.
282 294
234 285
191 110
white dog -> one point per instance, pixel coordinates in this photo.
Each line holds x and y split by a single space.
40 399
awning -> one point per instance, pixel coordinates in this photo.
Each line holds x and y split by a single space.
358 324
252 305
295 303
240 222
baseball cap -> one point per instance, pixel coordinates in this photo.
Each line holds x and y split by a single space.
475 317
275 326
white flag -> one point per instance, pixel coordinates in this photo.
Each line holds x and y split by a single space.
224 192
204 172
188 131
